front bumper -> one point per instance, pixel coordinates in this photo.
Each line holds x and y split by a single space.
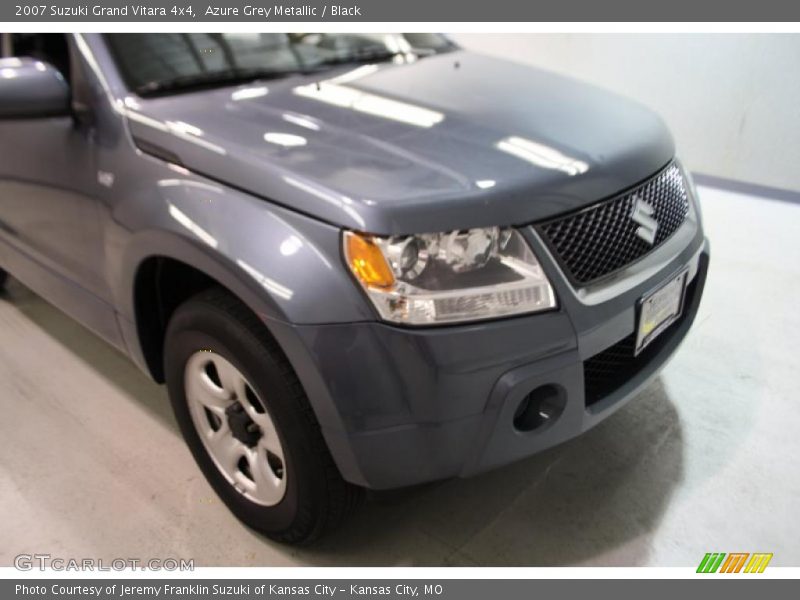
401 406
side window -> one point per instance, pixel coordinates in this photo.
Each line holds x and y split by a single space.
47 47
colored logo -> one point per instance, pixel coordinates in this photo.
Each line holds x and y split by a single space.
735 562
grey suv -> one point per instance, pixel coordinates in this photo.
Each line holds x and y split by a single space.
356 261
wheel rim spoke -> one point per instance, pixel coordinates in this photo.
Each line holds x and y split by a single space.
232 381
267 485
203 390
269 440
227 450
262 419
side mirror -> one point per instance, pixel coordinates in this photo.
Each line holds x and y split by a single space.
30 88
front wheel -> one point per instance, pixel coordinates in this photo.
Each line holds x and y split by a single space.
248 422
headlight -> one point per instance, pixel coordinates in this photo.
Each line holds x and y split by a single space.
448 277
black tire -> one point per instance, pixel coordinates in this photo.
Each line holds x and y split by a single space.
3 278
317 498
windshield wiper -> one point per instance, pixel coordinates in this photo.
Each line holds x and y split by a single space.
210 79
365 55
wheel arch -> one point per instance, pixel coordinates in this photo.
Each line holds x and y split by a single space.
160 253
163 274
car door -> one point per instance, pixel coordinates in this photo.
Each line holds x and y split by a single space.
49 212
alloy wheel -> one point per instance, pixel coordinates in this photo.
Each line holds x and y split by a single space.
235 427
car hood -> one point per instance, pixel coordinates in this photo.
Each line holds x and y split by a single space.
452 141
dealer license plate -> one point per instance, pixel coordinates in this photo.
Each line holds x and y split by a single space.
659 309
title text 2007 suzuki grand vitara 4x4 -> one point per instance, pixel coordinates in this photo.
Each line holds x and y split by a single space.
355 260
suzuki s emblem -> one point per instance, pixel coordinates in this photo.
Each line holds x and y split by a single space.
642 214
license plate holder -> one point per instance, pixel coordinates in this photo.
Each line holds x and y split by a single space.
659 309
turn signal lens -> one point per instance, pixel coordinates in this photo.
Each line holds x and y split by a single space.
366 261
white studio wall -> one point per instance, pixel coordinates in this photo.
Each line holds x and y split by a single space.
731 100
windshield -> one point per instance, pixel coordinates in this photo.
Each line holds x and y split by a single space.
158 63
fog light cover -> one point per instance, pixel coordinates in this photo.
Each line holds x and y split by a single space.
449 277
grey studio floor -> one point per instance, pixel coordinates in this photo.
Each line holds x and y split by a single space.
706 459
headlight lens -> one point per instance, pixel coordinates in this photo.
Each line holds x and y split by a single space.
448 277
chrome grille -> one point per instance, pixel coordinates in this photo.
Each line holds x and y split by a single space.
602 238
